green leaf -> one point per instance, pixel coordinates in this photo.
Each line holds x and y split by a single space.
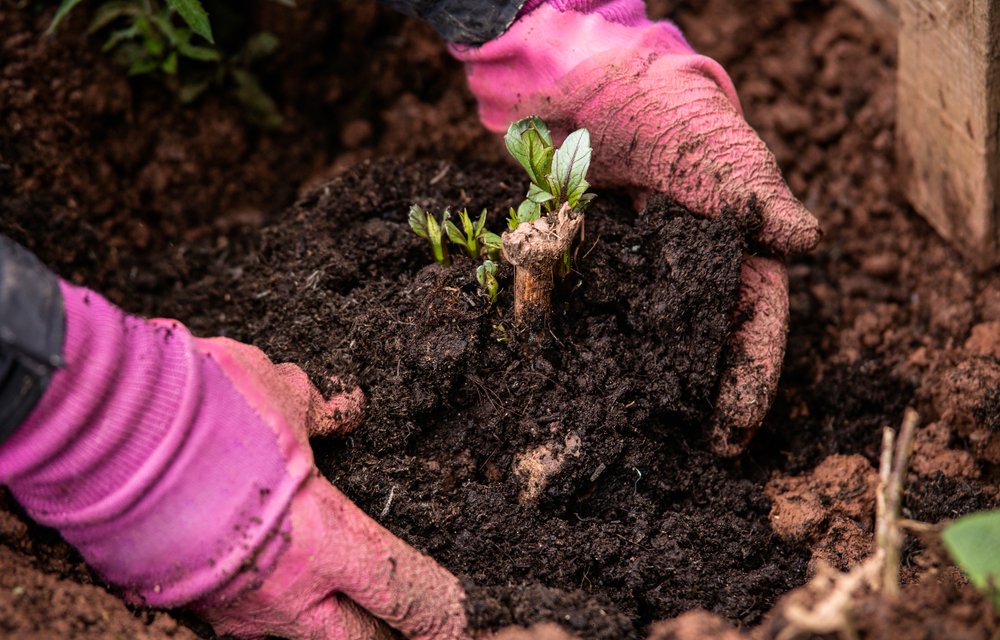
539 195
61 13
119 36
531 122
570 165
260 107
169 65
481 224
195 16
191 91
162 22
418 221
195 52
111 11
434 229
530 143
260 45
454 234
492 240
142 66
585 200
434 233
512 220
974 543
463 215
486 276
529 211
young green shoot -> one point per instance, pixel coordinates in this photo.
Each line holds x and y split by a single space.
486 276
558 176
542 229
426 226
493 244
470 235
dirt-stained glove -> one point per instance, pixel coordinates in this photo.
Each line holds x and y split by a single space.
181 469
662 119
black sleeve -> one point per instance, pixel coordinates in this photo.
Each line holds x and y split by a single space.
462 21
32 330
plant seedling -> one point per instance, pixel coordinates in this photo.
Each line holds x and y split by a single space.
974 543
539 233
493 244
174 40
557 176
426 226
470 236
542 230
486 275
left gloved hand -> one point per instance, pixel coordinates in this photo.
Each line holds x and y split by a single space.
662 119
181 470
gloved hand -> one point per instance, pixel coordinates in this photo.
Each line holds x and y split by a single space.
662 119
181 470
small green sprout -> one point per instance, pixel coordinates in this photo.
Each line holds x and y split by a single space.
486 275
426 226
973 541
540 232
542 229
558 176
470 235
493 244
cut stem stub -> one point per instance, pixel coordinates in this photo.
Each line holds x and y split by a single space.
535 249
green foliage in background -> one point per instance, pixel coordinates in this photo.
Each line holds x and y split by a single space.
974 544
174 40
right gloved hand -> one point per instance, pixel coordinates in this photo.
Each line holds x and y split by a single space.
664 119
181 470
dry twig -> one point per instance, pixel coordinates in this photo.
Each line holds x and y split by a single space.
834 591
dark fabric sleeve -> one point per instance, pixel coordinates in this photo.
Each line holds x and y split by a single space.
462 21
32 330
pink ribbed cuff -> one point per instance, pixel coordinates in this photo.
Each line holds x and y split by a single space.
148 459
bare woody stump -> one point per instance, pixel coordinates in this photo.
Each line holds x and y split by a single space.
535 249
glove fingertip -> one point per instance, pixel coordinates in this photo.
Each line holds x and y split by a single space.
341 414
789 228
750 380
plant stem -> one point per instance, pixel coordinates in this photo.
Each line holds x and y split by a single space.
532 296
889 498
535 249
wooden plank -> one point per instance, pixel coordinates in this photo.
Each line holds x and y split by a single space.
882 14
948 119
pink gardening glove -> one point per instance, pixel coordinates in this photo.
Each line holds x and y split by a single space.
662 119
181 470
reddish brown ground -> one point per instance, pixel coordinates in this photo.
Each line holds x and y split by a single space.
117 187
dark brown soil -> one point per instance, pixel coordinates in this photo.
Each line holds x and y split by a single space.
116 186
456 403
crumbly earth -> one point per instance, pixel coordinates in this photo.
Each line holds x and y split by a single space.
116 186
459 402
